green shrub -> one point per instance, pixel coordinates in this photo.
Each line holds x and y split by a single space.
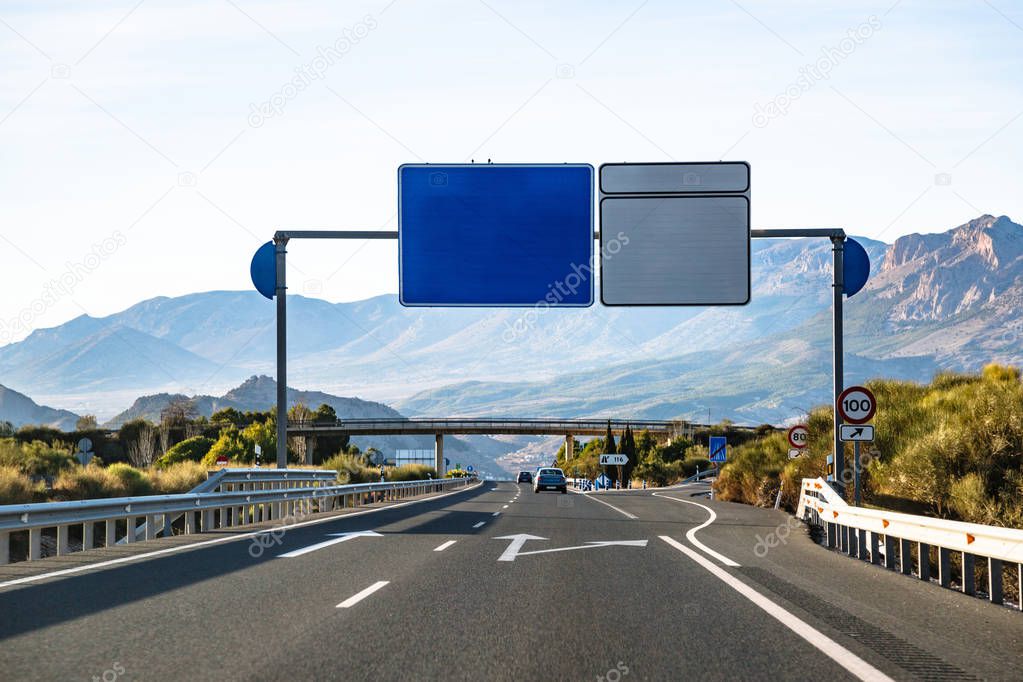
350 469
953 447
36 458
15 487
135 482
178 478
189 450
86 483
231 444
409 472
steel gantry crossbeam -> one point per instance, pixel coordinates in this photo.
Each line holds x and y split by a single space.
282 237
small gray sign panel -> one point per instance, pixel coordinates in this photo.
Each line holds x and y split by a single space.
675 178
675 250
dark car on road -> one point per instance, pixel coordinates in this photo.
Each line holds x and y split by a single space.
550 478
525 477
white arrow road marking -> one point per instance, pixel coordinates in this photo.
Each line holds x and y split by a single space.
590 545
519 540
338 537
359 596
516 544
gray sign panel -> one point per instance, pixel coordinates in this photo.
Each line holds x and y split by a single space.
663 244
674 178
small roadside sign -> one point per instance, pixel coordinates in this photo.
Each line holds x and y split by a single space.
613 460
718 448
857 405
793 453
222 460
799 435
857 433
470 468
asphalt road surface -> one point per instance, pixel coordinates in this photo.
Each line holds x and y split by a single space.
497 582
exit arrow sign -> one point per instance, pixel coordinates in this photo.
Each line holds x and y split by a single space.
857 433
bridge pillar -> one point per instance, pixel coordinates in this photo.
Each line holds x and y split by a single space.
439 455
310 447
569 448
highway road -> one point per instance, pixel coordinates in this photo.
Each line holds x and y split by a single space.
497 582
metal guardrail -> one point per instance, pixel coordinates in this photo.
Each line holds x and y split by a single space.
906 542
226 480
255 496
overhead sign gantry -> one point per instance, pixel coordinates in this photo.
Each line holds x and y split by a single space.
516 234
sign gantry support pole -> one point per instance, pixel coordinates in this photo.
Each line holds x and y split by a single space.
838 244
281 239
280 292
837 238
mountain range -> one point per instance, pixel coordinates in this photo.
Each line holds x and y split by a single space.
949 300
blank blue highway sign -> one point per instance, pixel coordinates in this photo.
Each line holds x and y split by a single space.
495 235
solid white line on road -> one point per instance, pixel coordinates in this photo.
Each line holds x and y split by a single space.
356 598
444 546
480 524
691 533
829 647
215 541
620 511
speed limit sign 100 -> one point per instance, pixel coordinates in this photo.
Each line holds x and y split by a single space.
799 435
857 405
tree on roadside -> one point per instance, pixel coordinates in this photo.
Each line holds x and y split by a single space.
87 422
610 447
627 447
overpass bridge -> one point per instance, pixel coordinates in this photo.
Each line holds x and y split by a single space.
438 428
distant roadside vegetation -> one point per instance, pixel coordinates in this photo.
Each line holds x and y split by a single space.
952 448
38 463
658 463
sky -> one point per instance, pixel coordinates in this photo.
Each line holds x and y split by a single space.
150 147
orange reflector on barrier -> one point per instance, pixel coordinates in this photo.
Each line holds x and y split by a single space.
835 514
969 539
884 522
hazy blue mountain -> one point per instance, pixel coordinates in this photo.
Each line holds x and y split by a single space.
256 394
19 409
940 300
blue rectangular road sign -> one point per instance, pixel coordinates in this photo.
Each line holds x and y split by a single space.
495 235
718 448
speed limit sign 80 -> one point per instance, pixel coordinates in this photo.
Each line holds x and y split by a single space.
799 435
857 405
